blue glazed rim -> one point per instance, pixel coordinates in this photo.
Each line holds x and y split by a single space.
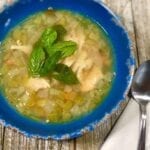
124 67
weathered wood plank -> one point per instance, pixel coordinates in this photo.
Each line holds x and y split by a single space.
141 16
68 145
49 144
11 139
1 136
22 142
94 139
31 144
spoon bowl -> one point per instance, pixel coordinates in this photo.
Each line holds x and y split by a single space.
141 83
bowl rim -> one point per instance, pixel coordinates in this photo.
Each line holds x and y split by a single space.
92 125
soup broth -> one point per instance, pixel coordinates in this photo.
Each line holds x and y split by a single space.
46 98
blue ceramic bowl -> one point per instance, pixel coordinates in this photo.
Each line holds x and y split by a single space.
124 65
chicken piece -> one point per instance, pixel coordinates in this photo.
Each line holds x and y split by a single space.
36 84
92 49
87 65
77 35
82 63
86 62
96 57
69 61
90 79
24 48
78 61
86 70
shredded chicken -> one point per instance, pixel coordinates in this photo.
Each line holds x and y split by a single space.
36 84
90 79
24 48
87 71
76 35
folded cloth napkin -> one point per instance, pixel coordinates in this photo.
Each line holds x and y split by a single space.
125 133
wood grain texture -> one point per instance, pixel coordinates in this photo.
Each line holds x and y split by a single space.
135 16
1 136
141 16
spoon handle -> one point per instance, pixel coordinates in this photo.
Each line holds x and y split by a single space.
143 116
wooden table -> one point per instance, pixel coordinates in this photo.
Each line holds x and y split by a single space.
135 15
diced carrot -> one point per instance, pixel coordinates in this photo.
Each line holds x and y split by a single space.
10 62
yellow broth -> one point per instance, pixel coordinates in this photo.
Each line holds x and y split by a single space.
46 99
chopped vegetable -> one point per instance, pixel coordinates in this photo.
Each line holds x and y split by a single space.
35 84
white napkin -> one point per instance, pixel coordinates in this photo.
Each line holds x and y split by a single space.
124 135
4 3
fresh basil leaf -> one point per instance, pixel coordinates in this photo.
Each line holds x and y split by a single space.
61 31
65 74
36 60
48 37
66 47
50 64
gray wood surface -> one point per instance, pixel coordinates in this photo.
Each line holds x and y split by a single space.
135 16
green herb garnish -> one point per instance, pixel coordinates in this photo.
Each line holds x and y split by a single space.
37 59
50 64
48 51
65 74
66 47
61 31
48 37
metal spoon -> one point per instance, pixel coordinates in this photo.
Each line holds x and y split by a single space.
141 93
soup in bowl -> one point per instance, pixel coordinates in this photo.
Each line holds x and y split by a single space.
60 67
